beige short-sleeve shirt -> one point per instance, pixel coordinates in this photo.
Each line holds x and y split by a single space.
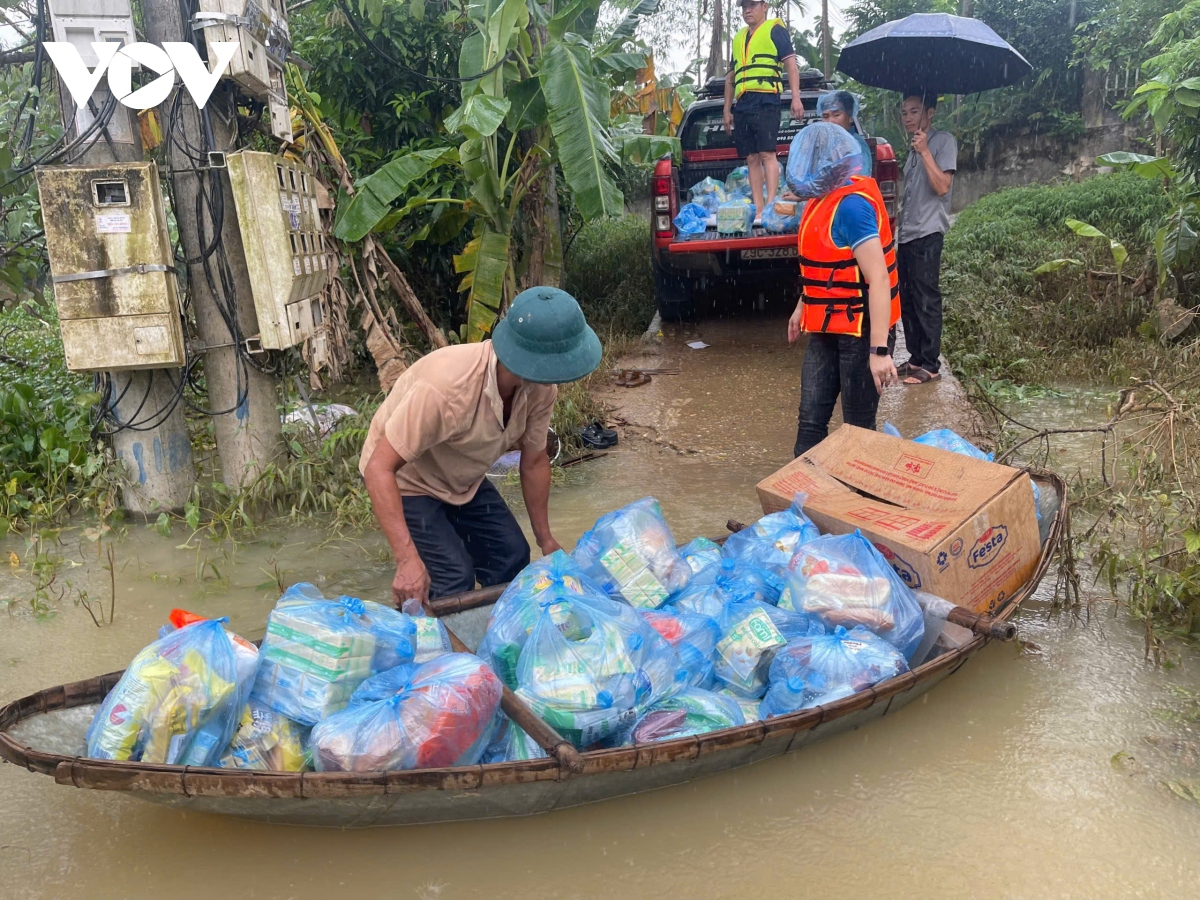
445 418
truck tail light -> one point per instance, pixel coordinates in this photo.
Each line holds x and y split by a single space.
662 185
662 223
662 190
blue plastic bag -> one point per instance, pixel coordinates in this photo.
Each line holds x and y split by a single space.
266 741
701 553
751 633
631 554
694 638
816 670
738 183
735 216
844 580
778 223
692 219
384 685
771 542
512 744
179 701
555 583
592 681
690 712
401 638
315 653
823 156
708 195
748 705
443 716
712 589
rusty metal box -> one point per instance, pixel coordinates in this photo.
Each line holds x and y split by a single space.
112 267
280 223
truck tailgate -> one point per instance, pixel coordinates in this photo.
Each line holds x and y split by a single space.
761 244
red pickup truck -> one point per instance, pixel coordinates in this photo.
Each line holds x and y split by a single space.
687 264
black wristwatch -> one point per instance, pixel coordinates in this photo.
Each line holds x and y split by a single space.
880 351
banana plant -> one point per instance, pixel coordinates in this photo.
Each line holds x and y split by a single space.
536 95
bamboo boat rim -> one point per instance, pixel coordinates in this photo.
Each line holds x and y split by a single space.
190 781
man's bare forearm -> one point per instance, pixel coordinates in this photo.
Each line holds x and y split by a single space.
793 74
535 487
938 180
388 504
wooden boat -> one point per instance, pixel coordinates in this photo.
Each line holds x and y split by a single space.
44 734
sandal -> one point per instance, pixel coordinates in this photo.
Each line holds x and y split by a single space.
916 375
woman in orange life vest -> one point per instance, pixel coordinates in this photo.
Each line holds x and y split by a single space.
849 300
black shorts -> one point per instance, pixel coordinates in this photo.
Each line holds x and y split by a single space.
756 130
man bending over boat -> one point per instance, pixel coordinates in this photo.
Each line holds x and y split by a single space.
445 424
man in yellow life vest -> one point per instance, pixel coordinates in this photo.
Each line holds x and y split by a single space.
761 52
849 296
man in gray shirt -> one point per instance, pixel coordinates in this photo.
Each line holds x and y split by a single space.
924 221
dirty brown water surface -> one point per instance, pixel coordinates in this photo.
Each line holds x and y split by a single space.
1031 772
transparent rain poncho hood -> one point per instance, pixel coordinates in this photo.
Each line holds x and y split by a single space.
823 157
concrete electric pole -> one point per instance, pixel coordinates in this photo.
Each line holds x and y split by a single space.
825 39
242 398
151 435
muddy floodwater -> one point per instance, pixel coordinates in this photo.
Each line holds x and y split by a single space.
1040 770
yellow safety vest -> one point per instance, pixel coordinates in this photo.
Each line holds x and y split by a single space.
756 65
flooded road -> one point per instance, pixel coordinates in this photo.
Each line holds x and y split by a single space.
1029 773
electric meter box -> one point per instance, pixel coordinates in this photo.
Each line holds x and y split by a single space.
260 29
111 265
280 224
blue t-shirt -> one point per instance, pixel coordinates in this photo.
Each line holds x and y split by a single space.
854 222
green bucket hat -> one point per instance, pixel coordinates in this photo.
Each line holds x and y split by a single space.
545 338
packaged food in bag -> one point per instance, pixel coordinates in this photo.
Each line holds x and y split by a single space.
708 195
554 583
749 640
384 685
712 589
690 712
631 554
694 638
738 183
442 717
314 654
402 638
701 553
692 219
816 670
592 683
177 703
748 705
512 744
735 216
844 580
782 217
771 542
266 741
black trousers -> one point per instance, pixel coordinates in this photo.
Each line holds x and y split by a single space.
836 364
919 265
478 541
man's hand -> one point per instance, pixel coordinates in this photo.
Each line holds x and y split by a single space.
548 546
797 109
919 144
411 581
883 370
794 323
728 122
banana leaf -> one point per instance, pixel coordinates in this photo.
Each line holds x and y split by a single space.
487 259
578 106
376 193
479 117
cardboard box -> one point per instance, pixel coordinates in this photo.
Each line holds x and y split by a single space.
953 526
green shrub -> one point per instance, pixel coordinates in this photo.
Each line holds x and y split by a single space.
608 272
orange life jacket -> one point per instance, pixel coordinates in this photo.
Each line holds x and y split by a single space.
832 288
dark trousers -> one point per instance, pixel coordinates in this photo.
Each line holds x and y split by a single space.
836 364
919 265
478 541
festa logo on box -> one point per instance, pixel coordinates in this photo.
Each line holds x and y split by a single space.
118 61
988 547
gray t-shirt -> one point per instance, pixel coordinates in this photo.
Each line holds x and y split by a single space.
922 211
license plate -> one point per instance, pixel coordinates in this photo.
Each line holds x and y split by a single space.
771 253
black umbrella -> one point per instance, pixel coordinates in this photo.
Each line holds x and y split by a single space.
935 52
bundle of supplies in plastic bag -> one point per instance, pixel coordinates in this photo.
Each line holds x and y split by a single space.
823 156
689 712
553 584
751 633
631 554
178 703
442 716
782 216
401 638
735 216
244 651
708 195
701 553
712 589
738 183
692 219
770 543
816 670
844 580
591 680
314 654
266 741
694 638
748 705
511 743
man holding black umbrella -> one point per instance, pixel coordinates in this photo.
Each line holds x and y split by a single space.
923 223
